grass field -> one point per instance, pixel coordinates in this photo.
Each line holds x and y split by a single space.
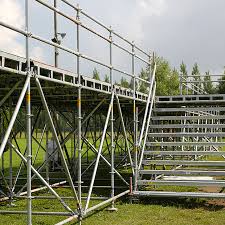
160 213
148 211
183 212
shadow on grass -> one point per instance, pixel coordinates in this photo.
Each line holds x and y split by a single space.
183 203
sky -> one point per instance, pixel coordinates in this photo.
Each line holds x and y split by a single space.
178 30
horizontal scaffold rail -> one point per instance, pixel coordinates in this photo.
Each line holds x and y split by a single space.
180 126
219 183
179 194
207 134
183 118
16 65
185 143
194 99
184 163
191 109
184 153
184 172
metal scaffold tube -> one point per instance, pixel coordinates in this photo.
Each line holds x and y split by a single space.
43 107
112 125
15 113
54 133
28 118
99 153
79 181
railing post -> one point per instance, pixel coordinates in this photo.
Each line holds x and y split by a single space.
112 126
136 149
181 84
28 119
134 116
56 35
79 119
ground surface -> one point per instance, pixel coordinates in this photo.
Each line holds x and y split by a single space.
163 212
153 212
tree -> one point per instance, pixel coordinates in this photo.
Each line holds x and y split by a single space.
106 79
166 78
184 75
207 85
221 86
197 79
96 74
183 69
143 87
124 83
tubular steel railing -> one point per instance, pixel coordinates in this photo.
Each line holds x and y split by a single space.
135 54
147 117
77 21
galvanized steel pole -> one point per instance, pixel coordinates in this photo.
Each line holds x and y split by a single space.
10 160
56 35
134 116
112 127
79 181
28 106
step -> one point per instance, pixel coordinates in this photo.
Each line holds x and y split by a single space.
185 144
199 183
183 118
184 153
184 163
194 99
190 109
179 194
183 172
182 126
207 134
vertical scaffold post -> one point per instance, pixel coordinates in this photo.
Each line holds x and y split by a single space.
79 117
112 125
181 84
1 137
136 148
10 160
47 153
56 35
134 116
28 118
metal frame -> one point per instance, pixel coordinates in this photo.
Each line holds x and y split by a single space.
82 106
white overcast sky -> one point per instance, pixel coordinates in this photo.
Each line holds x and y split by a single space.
188 30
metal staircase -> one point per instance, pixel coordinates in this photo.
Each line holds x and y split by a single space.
184 153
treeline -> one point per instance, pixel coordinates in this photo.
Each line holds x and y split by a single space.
168 80
203 82
164 75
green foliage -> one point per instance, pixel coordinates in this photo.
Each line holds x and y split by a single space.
96 74
221 86
106 79
183 69
143 87
167 79
197 78
124 83
207 85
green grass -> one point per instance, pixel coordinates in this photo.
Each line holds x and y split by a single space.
154 212
149 211
158 213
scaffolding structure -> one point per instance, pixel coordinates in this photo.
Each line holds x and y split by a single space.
103 123
184 153
96 139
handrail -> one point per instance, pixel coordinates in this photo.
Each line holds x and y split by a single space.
184 81
147 105
148 114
